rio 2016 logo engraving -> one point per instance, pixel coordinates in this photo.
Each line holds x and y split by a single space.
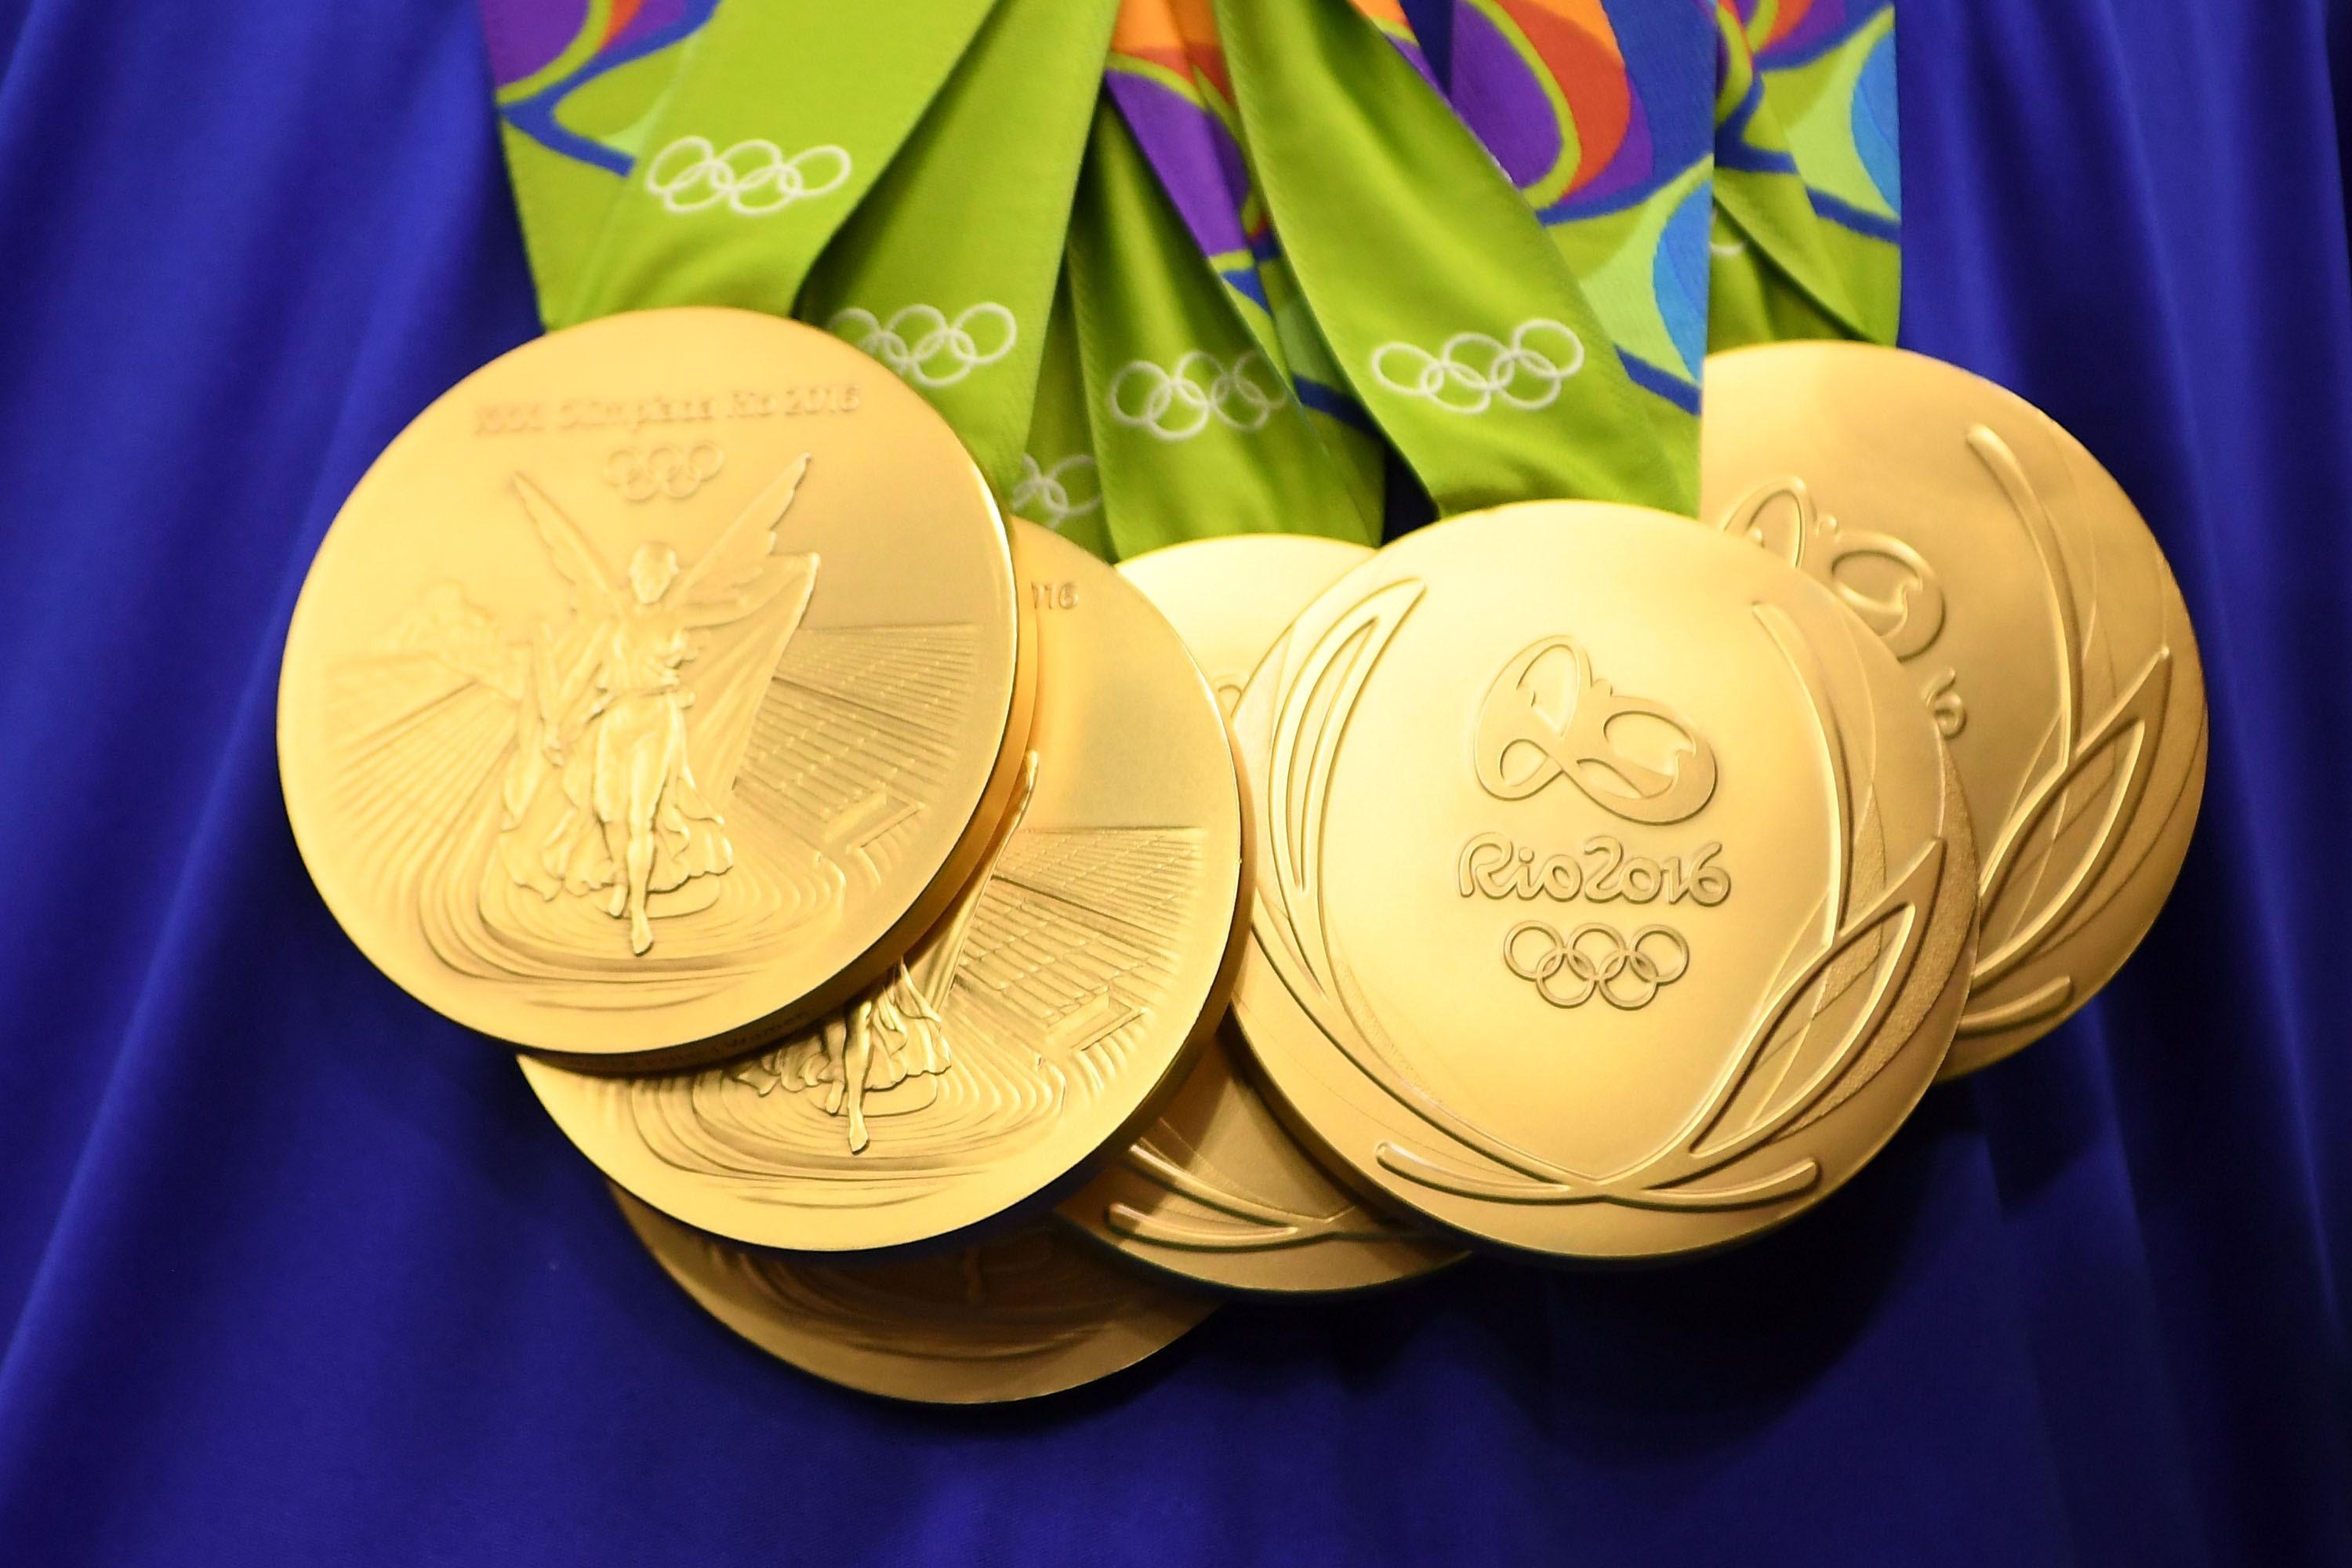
1850 981
1548 717
1888 584
1596 960
1600 872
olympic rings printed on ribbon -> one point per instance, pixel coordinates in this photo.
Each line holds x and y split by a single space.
1567 970
924 346
1177 404
1471 371
672 471
1042 495
753 177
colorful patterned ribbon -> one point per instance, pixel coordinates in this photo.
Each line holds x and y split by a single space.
1597 112
578 84
1808 176
1500 245
1536 173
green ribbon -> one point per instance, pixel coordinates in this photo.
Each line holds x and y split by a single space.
906 186
1195 430
1457 321
573 126
779 120
1598 110
947 272
1168 76
1808 241
1060 484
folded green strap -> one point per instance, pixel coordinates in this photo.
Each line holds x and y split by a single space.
1457 321
1168 76
1194 426
1060 483
907 186
1807 175
1600 113
947 272
777 122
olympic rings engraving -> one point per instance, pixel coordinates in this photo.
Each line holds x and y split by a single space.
673 471
1042 495
753 177
924 346
1567 970
1177 404
1470 371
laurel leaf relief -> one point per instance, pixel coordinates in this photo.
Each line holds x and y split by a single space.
1806 1043
2061 837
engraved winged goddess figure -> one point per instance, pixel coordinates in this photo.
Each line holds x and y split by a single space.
600 794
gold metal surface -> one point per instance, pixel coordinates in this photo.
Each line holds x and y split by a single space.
1230 597
1041 1023
1615 894
655 687
1029 1313
2032 609
1217 1190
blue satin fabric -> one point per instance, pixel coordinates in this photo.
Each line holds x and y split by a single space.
293 1271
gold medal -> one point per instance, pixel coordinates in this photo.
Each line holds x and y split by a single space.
1230 597
1217 1190
655 687
2033 612
1029 1313
1039 1024
1615 894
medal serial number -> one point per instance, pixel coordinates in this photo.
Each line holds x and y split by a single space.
635 413
1600 871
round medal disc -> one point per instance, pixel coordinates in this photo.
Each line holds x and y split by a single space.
1029 1313
2033 612
1041 1024
614 721
1217 1190
1614 891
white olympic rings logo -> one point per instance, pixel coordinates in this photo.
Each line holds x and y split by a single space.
924 346
1470 370
1567 970
1044 496
753 177
1177 404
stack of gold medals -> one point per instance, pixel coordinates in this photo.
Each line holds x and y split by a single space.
966 959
